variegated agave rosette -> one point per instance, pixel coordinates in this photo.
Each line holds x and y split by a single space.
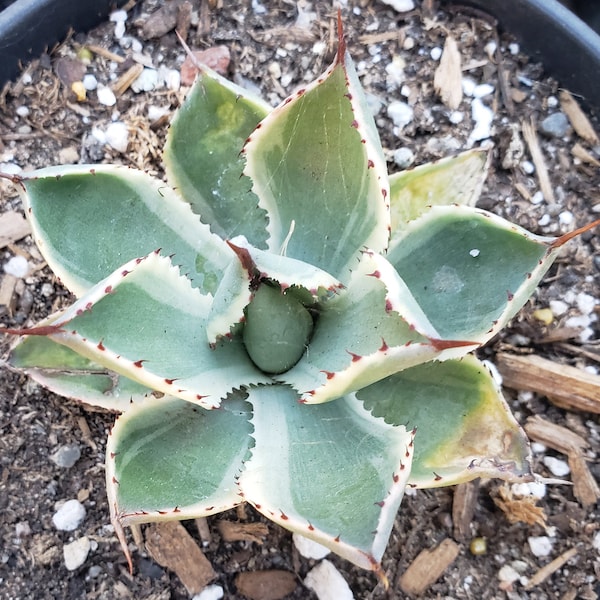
282 323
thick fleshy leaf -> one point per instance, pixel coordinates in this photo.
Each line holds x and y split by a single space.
157 335
88 220
331 472
202 156
469 271
360 338
317 166
452 180
168 459
69 374
464 428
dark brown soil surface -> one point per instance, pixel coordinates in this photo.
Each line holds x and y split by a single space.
275 52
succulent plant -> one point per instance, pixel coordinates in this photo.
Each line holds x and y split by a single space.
281 322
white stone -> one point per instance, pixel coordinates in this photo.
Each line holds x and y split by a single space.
483 117
106 96
456 117
585 303
146 81
404 157
309 548
22 111
508 574
490 48
327 582
119 30
76 553
400 113
527 167
556 466
537 198
210 592
400 5
118 16
395 72
69 516
98 135
483 89
558 307
536 489
540 546
538 447
436 53
468 86
566 217
10 168
596 541
17 266
514 48
117 136
156 112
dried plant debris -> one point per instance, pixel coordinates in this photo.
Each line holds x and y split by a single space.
133 80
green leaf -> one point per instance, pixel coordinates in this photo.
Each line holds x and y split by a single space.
69 374
202 156
157 335
358 339
169 459
89 219
332 472
469 271
317 166
452 180
464 428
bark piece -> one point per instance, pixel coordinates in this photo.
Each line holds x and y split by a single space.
8 296
531 139
13 227
447 79
428 566
161 21
266 585
578 151
561 439
122 84
235 532
578 119
463 508
171 546
550 568
565 386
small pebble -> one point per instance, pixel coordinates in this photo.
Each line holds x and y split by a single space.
76 553
585 303
17 266
404 157
540 546
483 117
395 75
400 113
508 574
69 516
68 155
537 198
106 96
538 448
22 529
475 252
118 16
468 86
117 136
90 83
328 583
558 468
482 90
490 49
400 5
22 111
309 548
210 592
596 541
566 217
556 125
436 53
535 489
527 167
146 81
514 48
94 571
456 117
66 456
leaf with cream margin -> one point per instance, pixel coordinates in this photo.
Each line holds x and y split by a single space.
65 372
331 472
452 180
464 428
202 156
87 220
317 166
169 459
157 335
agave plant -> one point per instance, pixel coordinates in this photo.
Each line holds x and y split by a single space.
281 322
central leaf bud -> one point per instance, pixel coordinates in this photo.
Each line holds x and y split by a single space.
277 329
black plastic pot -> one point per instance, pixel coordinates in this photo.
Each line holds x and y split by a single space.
568 48
28 27
553 35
